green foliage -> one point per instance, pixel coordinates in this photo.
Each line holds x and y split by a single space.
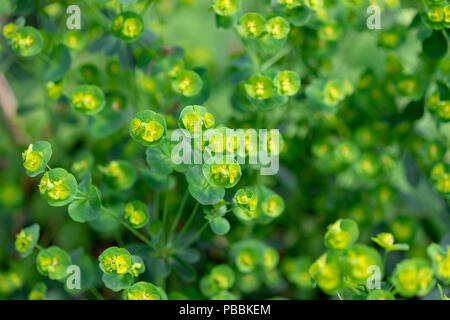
92 120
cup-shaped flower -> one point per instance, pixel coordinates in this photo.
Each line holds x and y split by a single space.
357 261
119 175
326 272
367 166
251 25
329 32
346 152
128 26
8 30
38 292
270 258
333 93
296 271
436 14
440 259
221 141
74 40
443 183
144 291
222 276
137 266
27 41
115 260
247 259
54 89
148 128
58 187
88 99
291 4
379 294
188 83
26 240
136 214
36 157
341 234
53 262
386 240
443 110
246 199
259 87
287 82
226 7
224 173
194 118
278 28
413 277
273 205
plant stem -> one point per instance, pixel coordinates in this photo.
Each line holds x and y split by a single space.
266 65
188 222
178 215
196 236
96 293
165 218
340 296
127 226
39 247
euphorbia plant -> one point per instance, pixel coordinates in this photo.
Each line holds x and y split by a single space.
140 167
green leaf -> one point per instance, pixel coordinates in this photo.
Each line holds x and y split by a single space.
87 209
201 190
220 226
117 282
436 45
60 64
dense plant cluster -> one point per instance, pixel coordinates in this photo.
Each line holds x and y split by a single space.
359 208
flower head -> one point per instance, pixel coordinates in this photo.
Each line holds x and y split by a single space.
128 26
88 99
136 214
115 260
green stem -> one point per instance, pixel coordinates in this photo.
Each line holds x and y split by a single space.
188 222
386 252
96 293
340 296
165 218
39 247
178 215
196 236
127 226
280 54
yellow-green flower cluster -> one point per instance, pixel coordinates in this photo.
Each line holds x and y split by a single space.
114 260
88 99
224 175
36 157
26 240
53 262
195 118
413 277
220 279
341 234
128 26
58 187
440 259
148 127
119 174
246 200
136 214
226 7
144 291
27 41
187 83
